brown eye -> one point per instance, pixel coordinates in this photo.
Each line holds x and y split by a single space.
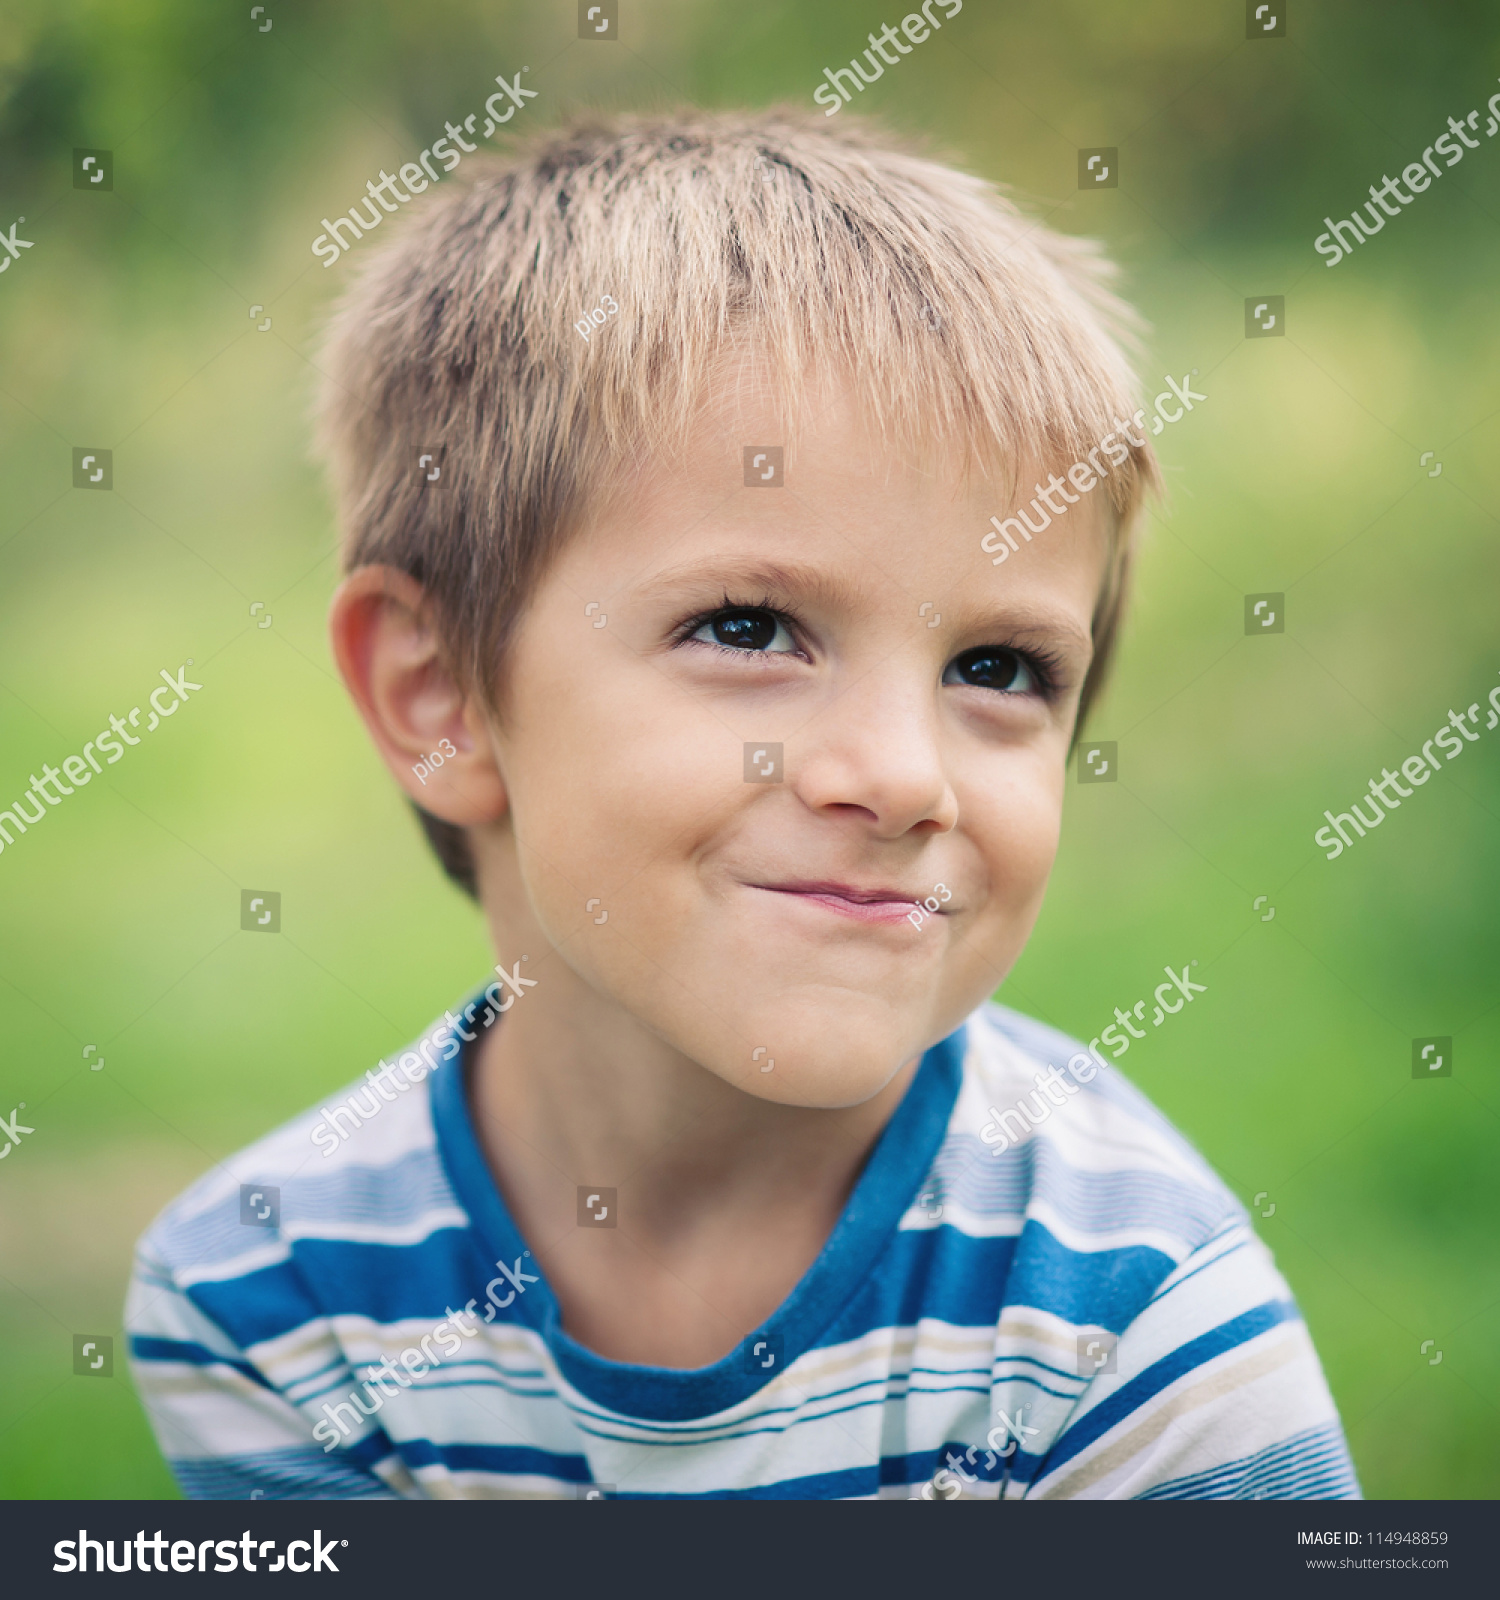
752 630
992 667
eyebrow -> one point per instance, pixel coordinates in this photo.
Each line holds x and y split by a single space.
767 577
774 580
1040 629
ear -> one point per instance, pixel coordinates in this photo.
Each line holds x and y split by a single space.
433 736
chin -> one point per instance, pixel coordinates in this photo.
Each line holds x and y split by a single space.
830 1050
820 1090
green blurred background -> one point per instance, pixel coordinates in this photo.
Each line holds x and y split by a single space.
127 325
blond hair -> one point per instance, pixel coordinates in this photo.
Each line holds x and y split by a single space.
960 320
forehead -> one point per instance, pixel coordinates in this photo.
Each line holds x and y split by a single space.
831 502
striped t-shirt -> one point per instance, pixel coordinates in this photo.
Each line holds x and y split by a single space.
1083 1312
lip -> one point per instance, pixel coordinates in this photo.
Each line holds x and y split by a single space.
878 905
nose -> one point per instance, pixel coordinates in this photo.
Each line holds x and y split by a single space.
875 754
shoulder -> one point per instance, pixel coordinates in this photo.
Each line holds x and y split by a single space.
1084 1201
258 1290
1037 1104
361 1167
1061 1184
1143 1328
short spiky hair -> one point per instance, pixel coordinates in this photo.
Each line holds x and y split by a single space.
960 320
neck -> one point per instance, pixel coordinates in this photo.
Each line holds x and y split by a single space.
570 1090
722 1200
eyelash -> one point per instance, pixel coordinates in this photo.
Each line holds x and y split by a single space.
685 630
1044 665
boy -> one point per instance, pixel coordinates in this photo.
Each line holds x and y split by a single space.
686 626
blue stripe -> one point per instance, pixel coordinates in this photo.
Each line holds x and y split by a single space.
296 1474
947 1277
873 1280
1047 1367
751 1424
145 1348
508 1459
1131 1396
1036 1383
1310 1465
392 1194
1188 1277
851 1484
864 1231
891 1386
337 1365
338 1277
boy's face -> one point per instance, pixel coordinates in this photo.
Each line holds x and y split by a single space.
807 708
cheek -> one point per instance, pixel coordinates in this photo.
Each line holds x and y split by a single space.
614 809
1015 828
612 793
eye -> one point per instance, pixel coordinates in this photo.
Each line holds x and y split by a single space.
752 630
993 667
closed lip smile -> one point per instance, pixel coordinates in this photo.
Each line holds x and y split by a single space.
880 905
